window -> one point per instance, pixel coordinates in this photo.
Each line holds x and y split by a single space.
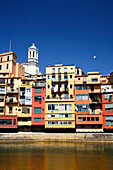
108 106
78 78
4 74
65 107
53 78
82 107
43 89
52 122
92 118
23 82
66 95
82 87
82 96
70 76
65 69
65 122
97 118
71 96
108 96
2 88
27 82
84 80
33 53
5 121
79 119
48 86
59 70
53 70
10 109
1 109
25 110
7 66
48 77
37 109
7 58
0 67
71 68
1 98
88 118
37 119
14 121
1 59
84 118
70 86
38 90
65 77
59 77
37 98
52 106
94 79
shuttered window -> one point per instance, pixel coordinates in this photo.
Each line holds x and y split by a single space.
37 110
108 106
37 119
38 90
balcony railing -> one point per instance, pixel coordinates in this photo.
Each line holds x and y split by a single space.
11 100
39 84
95 101
22 101
60 98
22 93
59 90
12 91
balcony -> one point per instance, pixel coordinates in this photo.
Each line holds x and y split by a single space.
11 100
22 93
95 101
61 90
59 99
14 91
22 102
11 83
59 81
39 84
2 81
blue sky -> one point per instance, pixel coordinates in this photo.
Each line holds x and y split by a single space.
67 32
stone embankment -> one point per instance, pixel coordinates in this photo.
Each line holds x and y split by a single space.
45 137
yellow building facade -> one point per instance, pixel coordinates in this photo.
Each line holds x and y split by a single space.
59 103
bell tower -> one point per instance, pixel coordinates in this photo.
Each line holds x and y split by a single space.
33 54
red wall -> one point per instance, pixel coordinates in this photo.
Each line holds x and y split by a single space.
38 104
9 117
105 113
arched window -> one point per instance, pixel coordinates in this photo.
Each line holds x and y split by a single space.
7 58
30 53
33 53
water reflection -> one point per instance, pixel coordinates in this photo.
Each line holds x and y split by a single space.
56 156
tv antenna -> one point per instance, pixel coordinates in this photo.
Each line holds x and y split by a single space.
10 46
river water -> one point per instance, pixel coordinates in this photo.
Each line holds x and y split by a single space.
56 156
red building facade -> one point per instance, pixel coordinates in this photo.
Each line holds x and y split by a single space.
107 106
38 105
8 122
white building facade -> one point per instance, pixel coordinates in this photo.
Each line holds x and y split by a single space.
32 66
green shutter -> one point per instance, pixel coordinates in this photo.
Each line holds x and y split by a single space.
37 110
37 119
38 90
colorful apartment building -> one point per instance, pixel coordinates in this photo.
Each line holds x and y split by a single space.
10 73
88 105
38 104
63 99
107 102
59 102
25 104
